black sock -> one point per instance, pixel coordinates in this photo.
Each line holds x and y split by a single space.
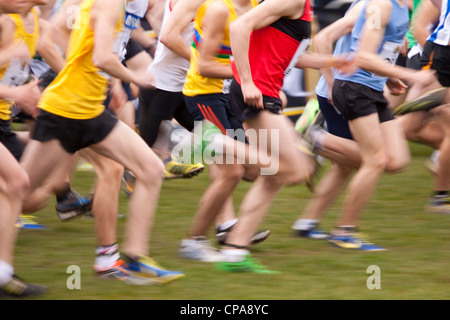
63 193
441 193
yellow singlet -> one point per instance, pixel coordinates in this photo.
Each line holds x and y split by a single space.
79 90
15 73
196 84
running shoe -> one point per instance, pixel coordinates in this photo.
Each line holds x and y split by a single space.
73 206
118 272
439 204
128 181
312 234
354 242
146 267
307 118
258 237
427 101
249 264
432 163
29 222
175 169
199 249
17 288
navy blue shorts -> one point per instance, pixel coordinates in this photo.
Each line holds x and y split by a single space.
336 123
215 108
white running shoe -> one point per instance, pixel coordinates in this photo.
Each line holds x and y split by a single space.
199 249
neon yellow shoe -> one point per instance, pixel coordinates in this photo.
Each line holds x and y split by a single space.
308 116
175 169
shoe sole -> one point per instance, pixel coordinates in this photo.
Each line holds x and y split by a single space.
67 216
187 175
342 245
237 269
425 102
136 281
157 280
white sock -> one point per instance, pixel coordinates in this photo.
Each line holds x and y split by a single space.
304 224
6 272
225 225
318 136
106 256
234 255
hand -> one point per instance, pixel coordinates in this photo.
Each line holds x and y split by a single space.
145 79
344 63
396 86
252 95
118 96
27 96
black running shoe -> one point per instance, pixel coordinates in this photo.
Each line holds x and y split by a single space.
17 288
73 206
258 237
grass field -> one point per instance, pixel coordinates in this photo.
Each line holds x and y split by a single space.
415 266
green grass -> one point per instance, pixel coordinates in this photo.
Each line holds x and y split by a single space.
415 266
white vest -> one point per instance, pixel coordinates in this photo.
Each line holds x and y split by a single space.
168 68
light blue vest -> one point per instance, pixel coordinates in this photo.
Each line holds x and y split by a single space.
343 45
390 46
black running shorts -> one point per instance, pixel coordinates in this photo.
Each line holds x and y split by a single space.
245 112
356 100
9 139
437 57
74 134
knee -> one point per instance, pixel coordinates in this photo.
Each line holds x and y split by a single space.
377 163
19 186
230 175
109 172
397 164
152 171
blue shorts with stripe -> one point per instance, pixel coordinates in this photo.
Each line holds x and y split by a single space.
215 108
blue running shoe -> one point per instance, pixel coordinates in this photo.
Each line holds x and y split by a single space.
353 242
313 234
118 272
73 206
439 204
146 267
29 222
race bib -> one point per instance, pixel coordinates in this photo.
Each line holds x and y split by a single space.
390 51
16 74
